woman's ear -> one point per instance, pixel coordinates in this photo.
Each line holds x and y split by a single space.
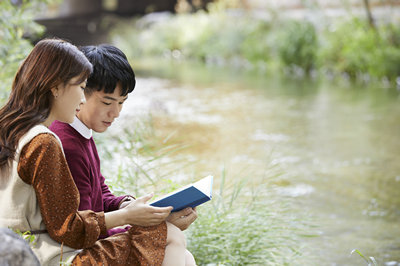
54 91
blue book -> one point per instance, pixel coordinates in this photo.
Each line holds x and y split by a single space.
189 196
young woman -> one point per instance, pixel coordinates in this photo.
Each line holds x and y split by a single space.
37 191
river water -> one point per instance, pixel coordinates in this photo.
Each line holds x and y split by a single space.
336 143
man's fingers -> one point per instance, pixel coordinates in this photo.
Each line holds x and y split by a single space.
185 212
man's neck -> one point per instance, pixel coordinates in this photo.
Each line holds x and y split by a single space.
79 126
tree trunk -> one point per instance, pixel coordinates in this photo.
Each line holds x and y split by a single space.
371 20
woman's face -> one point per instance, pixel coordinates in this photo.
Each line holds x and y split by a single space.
67 100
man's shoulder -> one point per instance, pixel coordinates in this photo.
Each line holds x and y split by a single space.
64 131
60 127
69 137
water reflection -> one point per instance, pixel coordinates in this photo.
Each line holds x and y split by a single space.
337 145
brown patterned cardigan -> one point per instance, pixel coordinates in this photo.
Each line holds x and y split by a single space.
42 164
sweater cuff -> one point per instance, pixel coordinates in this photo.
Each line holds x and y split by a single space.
125 198
102 223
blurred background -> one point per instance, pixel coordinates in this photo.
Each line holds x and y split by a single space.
292 105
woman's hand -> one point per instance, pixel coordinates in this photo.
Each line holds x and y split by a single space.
182 219
137 212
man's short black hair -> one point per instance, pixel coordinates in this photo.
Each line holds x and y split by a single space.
110 67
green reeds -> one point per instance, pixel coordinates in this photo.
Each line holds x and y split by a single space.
239 229
137 161
243 224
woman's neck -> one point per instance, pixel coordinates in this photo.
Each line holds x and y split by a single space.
48 121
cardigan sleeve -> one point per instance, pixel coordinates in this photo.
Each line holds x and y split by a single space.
42 164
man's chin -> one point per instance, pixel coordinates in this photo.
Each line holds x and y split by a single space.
100 130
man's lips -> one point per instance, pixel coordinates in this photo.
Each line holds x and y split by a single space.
107 123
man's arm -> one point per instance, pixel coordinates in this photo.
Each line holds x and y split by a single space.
80 169
110 202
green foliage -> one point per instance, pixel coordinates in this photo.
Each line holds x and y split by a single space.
16 22
355 48
26 235
215 37
256 46
226 37
234 229
298 45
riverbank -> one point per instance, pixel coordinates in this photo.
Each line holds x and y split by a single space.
312 45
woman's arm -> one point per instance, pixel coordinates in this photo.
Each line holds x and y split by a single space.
42 164
138 212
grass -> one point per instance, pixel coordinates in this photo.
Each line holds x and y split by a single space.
235 229
141 160
242 225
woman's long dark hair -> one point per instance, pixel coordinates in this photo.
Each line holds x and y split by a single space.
51 62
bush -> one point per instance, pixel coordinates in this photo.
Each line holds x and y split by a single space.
298 45
226 37
353 47
209 38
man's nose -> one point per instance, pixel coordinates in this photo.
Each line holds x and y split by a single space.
115 110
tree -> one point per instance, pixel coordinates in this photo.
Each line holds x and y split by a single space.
16 24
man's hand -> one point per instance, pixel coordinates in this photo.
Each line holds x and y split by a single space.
182 219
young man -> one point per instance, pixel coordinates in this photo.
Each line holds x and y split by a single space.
106 91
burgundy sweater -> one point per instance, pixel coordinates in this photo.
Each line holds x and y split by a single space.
84 164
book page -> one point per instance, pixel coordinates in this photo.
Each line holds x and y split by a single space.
205 185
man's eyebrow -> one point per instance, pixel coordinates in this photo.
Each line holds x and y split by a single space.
113 99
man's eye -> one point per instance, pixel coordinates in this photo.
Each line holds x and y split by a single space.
106 103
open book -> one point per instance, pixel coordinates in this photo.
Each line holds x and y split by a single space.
188 196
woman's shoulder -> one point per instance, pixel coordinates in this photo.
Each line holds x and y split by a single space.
39 135
35 131
44 142
46 138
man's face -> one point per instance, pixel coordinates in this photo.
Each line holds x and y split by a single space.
100 109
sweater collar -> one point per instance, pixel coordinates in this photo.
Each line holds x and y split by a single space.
79 126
